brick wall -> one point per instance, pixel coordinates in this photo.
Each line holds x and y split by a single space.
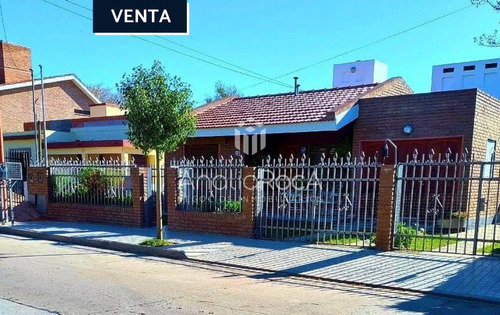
237 224
74 212
486 127
432 115
61 99
15 63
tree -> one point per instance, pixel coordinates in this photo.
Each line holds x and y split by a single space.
105 94
158 108
491 40
222 90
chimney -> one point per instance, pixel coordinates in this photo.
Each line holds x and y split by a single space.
15 63
296 86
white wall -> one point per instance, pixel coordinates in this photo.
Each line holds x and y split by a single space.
484 76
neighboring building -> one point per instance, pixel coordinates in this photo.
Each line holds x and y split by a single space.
66 97
482 74
101 136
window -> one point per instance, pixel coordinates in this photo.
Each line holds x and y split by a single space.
317 151
82 112
491 147
205 150
448 70
491 65
469 68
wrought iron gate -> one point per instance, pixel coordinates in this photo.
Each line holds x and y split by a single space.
333 201
447 203
19 190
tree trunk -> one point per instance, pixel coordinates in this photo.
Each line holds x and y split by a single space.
159 212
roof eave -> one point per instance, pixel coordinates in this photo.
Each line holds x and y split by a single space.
69 77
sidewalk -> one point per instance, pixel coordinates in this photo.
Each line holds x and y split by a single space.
452 275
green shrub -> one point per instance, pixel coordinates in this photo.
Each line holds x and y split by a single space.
91 180
154 242
405 235
231 206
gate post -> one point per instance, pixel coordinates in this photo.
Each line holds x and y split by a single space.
385 208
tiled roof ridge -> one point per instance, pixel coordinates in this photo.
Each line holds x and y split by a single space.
313 91
208 106
367 94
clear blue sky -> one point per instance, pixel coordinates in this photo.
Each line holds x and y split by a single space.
268 37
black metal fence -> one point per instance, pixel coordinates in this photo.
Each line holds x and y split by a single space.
332 202
90 182
448 203
210 185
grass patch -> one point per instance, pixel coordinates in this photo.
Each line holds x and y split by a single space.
493 249
428 244
154 242
348 240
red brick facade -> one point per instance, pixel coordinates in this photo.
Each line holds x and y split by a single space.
432 115
61 100
15 63
238 224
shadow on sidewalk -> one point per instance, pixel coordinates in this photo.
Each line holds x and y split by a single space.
478 279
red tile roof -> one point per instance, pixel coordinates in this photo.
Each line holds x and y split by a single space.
308 106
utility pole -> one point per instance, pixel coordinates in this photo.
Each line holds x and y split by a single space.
45 150
35 122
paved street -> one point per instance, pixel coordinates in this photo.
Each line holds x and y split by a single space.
39 277
455 275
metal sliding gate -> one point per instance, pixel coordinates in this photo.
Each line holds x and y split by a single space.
447 203
332 201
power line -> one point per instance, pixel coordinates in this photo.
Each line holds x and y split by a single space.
363 46
203 60
68 10
198 51
223 61
79 5
3 23
254 75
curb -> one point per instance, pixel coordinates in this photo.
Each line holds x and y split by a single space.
180 255
109 245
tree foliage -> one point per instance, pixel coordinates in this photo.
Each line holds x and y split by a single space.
489 40
105 94
223 90
158 109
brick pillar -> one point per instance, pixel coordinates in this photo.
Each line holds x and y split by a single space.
38 187
138 193
248 206
38 180
385 213
171 193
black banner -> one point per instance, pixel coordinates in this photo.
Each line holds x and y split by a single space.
141 17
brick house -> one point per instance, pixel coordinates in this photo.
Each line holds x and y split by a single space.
66 97
307 122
